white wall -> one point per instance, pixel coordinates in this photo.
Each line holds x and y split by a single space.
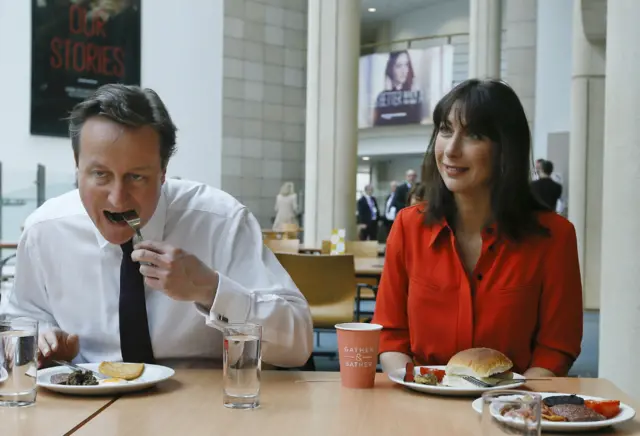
444 17
184 65
553 72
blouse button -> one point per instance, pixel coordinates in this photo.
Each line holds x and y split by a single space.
479 276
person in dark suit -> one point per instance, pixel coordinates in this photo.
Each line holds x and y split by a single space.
368 215
402 199
547 190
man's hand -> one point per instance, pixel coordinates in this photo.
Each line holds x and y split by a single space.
177 273
56 344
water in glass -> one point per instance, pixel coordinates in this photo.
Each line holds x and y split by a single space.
18 362
242 365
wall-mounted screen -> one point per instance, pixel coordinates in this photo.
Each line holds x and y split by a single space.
78 46
403 87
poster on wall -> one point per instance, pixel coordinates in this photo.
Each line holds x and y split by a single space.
78 46
403 87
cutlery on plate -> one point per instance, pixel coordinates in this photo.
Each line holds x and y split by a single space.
483 384
79 368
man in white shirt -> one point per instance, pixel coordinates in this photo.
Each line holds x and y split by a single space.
201 263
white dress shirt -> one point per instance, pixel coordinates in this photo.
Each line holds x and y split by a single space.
68 275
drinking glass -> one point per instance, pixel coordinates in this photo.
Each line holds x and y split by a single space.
509 412
18 361
242 362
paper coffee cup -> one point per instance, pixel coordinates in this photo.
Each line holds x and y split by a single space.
358 353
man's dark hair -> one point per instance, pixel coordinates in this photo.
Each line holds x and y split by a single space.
130 106
488 109
547 167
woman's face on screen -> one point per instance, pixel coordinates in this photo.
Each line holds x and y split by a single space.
401 69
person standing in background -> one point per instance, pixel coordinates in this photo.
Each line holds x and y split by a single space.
286 206
547 190
402 192
390 208
368 215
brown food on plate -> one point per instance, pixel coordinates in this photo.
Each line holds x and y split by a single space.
76 378
126 371
548 415
485 364
576 413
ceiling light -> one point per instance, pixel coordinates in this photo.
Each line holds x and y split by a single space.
372 9
365 158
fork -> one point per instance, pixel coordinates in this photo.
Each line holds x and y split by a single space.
134 221
482 384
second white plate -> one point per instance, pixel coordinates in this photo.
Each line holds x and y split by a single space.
626 413
152 375
398 377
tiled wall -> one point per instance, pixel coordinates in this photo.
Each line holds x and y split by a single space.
264 100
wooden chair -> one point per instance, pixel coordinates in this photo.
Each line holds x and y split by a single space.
283 245
327 282
367 286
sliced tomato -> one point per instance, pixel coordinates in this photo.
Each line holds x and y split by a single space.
606 408
408 373
439 373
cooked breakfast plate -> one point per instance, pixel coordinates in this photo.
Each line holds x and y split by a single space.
441 387
115 378
564 406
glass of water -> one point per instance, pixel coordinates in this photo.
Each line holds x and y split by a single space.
18 361
242 362
509 412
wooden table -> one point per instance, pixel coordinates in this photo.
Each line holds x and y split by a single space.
52 414
368 266
191 404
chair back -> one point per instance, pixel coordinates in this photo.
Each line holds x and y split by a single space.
283 245
327 282
362 248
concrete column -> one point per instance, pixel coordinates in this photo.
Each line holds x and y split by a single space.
485 34
520 51
332 119
620 306
585 154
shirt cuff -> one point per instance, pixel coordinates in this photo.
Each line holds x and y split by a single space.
555 361
394 340
231 304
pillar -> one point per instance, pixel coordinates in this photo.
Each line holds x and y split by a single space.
485 35
585 154
332 119
620 264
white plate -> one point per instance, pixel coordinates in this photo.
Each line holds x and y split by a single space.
398 377
3 374
626 413
151 375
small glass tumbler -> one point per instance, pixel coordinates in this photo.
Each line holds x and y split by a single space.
511 412
242 362
18 361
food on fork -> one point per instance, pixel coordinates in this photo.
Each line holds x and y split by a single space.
485 364
120 370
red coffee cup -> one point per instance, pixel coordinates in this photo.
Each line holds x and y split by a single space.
358 353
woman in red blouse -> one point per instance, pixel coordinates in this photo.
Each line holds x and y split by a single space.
482 263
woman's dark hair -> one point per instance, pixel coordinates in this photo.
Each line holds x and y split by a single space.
391 63
130 106
492 110
419 191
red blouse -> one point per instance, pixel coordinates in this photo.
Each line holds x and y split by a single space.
524 298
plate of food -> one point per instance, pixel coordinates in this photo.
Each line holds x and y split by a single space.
106 378
566 412
482 364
